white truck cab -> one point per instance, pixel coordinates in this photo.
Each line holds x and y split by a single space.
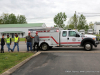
50 37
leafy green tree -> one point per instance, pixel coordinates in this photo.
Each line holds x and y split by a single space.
12 19
5 18
71 26
59 20
21 19
82 22
73 21
86 27
91 25
1 22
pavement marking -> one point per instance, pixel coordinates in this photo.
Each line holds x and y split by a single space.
11 70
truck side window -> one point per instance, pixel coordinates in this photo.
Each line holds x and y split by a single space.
64 34
72 33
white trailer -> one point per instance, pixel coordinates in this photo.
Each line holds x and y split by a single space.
90 31
82 31
50 37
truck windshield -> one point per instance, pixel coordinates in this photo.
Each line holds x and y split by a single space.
78 33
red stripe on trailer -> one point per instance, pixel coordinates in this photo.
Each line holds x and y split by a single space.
74 42
54 40
48 37
57 42
70 42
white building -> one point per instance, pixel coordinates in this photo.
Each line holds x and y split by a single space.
20 29
97 27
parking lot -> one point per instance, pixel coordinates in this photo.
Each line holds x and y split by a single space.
61 61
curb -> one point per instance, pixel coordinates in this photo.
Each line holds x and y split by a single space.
11 70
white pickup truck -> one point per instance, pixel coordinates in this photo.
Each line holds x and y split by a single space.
50 37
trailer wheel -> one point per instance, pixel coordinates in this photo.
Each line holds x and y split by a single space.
88 46
44 46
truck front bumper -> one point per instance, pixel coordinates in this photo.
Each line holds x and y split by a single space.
96 43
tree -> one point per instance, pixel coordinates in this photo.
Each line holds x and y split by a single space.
82 22
1 22
86 27
59 20
73 21
71 26
12 19
5 18
21 19
91 25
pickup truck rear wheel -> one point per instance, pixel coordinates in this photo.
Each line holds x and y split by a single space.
88 46
44 46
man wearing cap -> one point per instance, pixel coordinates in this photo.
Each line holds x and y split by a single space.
16 42
36 41
8 42
29 42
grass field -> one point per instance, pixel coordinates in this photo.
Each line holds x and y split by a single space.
8 60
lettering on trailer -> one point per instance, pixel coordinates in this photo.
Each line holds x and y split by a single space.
57 42
43 31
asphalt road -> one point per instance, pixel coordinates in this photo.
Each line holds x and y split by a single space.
62 63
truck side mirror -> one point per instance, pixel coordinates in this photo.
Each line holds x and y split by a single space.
77 35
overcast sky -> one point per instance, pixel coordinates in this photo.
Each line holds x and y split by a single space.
43 11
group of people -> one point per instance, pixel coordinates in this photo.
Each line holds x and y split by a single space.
8 43
28 40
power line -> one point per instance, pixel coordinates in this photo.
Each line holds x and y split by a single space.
87 13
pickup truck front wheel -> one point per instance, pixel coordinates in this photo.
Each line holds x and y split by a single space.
88 46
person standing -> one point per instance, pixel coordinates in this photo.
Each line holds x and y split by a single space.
16 42
8 42
2 44
36 41
29 42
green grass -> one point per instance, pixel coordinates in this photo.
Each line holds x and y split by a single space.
8 60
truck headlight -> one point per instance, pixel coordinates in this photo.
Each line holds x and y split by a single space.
93 38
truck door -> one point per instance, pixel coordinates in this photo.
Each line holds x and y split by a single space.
73 39
63 38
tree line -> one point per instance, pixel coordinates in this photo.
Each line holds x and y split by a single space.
6 18
75 22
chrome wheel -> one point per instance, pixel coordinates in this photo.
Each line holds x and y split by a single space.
88 46
44 47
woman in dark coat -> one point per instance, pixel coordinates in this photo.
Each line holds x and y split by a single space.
2 44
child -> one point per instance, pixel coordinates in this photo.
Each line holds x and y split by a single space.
2 44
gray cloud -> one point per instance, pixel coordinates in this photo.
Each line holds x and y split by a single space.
45 10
